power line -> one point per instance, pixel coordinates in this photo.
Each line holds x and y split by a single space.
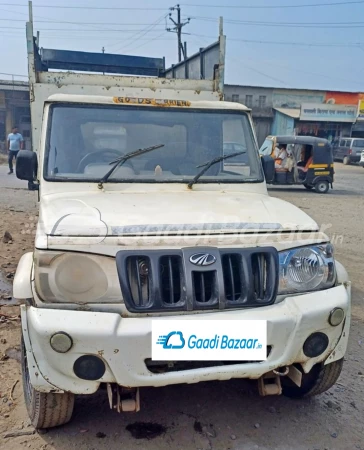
85 38
285 24
259 72
299 70
149 40
307 5
203 18
215 19
85 7
76 30
77 23
253 69
288 68
27 15
305 44
13 75
137 36
143 32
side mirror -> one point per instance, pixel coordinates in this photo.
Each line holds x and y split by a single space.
268 168
27 165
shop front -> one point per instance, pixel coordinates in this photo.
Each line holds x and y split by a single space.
328 121
358 127
326 130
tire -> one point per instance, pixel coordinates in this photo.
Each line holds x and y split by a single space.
321 187
318 380
307 186
346 161
45 410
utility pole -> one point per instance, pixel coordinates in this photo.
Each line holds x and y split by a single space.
178 30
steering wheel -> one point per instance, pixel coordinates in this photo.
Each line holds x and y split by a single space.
103 156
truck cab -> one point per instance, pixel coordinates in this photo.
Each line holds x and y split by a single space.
159 257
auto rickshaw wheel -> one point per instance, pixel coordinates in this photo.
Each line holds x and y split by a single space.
308 186
321 187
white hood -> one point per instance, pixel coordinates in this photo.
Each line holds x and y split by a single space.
168 213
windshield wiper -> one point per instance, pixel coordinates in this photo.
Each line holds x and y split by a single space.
120 161
207 165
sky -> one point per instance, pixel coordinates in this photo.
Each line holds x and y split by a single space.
273 43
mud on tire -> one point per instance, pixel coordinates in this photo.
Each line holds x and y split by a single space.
45 410
318 380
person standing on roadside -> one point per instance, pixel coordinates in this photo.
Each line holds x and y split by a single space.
15 143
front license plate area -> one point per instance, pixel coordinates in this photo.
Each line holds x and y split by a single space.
209 340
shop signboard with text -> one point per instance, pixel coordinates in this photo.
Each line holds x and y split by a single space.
322 112
361 110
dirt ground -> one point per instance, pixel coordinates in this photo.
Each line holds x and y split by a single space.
214 415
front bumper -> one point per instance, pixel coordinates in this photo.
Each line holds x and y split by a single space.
125 343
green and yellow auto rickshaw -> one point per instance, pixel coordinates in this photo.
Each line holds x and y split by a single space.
301 160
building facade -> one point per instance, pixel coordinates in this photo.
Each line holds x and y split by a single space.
259 99
304 112
14 110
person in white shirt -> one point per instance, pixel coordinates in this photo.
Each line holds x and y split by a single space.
280 156
15 143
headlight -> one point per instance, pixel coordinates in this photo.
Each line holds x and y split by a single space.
306 269
64 277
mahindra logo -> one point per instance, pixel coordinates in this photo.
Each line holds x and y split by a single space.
202 259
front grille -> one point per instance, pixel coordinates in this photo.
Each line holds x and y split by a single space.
171 276
184 280
204 287
233 280
249 278
138 268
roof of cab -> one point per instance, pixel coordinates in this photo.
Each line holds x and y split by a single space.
308 140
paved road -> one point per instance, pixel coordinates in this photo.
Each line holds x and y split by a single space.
10 183
349 180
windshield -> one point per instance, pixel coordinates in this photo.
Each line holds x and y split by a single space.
359 143
84 139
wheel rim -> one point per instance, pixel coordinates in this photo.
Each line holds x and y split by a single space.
322 187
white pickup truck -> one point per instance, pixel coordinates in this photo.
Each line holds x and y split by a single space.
159 259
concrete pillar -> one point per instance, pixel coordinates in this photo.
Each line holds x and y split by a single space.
9 119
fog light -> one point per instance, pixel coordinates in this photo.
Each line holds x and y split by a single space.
61 342
315 345
336 317
89 367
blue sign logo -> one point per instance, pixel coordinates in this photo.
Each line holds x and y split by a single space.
173 340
